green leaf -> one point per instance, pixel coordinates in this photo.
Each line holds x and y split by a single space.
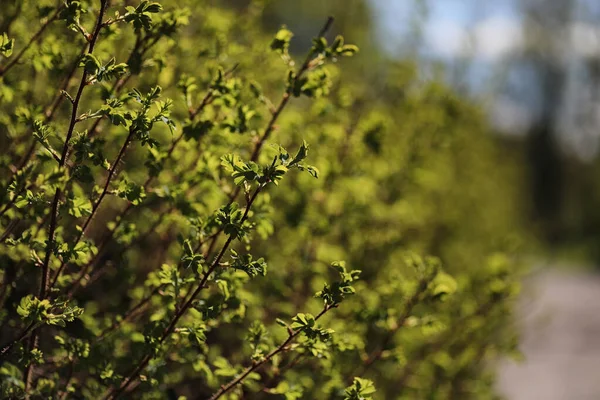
349 50
361 389
111 70
197 129
302 321
91 65
131 191
314 84
319 45
337 44
6 45
334 293
443 285
33 309
107 372
281 322
190 259
301 154
140 17
289 391
71 13
248 265
42 133
224 368
79 206
240 171
152 8
281 41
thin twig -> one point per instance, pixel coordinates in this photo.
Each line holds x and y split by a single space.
96 205
14 60
280 371
50 112
63 158
55 202
12 201
7 347
121 217
285 98
114 393
257 364
127 316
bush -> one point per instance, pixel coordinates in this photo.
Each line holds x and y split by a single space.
156 158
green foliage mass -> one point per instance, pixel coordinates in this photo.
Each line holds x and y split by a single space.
178 191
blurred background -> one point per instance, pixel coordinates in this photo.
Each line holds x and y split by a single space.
534 67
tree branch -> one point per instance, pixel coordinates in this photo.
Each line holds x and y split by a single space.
114 393
55 202
256 365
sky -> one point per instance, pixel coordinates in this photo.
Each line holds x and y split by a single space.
452 27
483 39
483 33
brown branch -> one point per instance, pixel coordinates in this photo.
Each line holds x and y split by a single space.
7 347
28 373
11 226
268 386
114 393
63 158
257 364
55 202
96 206
285 98
120 218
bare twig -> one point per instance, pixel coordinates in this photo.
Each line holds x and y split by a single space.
127 316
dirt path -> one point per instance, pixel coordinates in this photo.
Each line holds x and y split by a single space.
560 325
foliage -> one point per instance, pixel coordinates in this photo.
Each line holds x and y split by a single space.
148 179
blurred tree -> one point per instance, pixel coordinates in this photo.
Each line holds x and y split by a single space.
545 27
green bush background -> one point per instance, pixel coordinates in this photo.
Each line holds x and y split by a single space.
407 169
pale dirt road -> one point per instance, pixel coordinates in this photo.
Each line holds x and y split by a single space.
560 325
